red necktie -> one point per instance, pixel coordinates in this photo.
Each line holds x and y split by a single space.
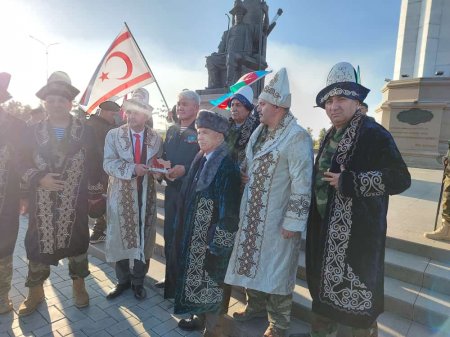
137 149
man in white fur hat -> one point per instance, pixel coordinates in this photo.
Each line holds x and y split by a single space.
274 210
358 166
242 123
131 200
61 175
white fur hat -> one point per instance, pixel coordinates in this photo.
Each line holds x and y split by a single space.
277 92
138 102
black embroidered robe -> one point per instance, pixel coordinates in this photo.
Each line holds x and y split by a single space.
11 148
207 221
345 249
58 221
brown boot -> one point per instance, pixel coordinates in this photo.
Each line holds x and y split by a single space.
5 305
35 296
248 314
441 233
80 294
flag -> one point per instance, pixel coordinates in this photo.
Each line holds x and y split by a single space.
247 79
122 69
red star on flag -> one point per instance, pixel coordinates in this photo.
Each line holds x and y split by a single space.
104 76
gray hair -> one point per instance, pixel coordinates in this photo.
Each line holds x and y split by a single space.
189 94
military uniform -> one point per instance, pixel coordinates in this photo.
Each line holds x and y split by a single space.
180 148
443 232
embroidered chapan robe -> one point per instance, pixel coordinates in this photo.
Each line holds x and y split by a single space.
58 222
237 138
345 248
277 196
207 221
11 148
128 236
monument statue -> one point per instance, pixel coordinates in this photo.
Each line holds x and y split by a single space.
243 46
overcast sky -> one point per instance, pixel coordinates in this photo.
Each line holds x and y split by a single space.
175 36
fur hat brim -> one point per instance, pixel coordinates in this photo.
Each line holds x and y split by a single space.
349 90
110 106
58 88
213 121
132 104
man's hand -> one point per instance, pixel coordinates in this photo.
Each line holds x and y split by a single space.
288 234
175 172
140 170
50 183
333 178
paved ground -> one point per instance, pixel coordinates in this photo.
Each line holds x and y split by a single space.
410 214
413 212
124 316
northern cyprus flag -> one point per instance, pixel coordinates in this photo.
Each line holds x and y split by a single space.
122 70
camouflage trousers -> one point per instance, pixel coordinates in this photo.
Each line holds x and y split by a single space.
446 196
6 273
324 327
39 272
278 307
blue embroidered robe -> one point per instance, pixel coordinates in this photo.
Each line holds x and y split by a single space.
345 250
207 221
58 221
11 148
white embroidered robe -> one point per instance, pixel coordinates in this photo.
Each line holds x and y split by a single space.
277 196
124 238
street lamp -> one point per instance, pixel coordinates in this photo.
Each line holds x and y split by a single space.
46 46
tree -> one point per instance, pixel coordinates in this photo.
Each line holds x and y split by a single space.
322 135
18 110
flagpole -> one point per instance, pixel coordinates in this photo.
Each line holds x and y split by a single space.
153 74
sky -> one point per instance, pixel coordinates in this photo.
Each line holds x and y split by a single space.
176 35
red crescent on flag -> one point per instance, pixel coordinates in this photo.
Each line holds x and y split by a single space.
125 59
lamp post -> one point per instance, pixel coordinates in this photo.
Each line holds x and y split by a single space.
46 46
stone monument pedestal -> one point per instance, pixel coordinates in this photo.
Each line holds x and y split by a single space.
209 94
417 113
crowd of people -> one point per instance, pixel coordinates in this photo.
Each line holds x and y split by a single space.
239 194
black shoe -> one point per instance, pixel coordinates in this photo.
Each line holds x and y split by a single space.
139 292
118 290
160 284
191 324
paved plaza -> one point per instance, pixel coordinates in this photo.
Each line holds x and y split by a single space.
409 215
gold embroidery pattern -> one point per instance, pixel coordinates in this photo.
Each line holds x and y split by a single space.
122 168
98 188
128 215
126 137
68 199
251 233
298 206
44 221
199 287
4 159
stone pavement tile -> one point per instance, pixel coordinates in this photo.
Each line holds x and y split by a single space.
166 326
166 305
145 325
123 325
95 313
51 313
119 313
161 314
171 333
45 330
31 322
73 314
100 275
418 330
93 329
75 327
75 334
102 333
139 312
125 333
